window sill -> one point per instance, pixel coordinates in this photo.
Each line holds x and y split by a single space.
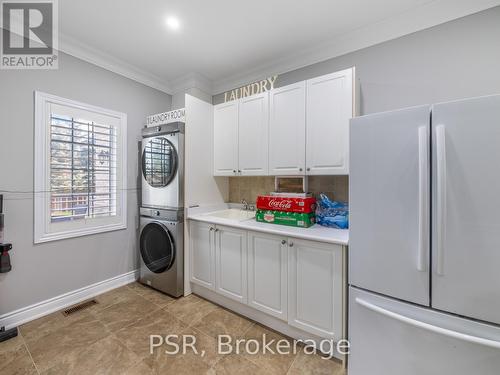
48 237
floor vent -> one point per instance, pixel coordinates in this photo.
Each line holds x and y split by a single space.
80 307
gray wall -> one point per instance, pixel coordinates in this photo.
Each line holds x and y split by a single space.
454 60
47 270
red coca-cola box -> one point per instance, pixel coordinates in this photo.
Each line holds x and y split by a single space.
288 204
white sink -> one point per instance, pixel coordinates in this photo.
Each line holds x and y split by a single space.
233 214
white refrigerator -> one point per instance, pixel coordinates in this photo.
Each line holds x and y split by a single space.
424 241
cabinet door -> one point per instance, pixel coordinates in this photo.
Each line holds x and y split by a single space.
329 109
315 288
267 273
225 156
231 263
253 135
201 249
287 130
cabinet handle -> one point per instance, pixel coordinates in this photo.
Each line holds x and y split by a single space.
239 170
283 242
290 244
300 169
211 229
234 170
308 169
216 230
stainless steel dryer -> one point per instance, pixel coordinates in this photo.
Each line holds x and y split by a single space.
163 166
162 250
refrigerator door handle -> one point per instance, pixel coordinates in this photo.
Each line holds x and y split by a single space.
423 199
441 197
429 327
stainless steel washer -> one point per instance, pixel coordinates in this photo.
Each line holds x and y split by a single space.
162 250
162 164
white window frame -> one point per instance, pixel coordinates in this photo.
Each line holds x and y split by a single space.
45 230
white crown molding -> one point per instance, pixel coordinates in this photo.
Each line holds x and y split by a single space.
192 80
104 60
430 14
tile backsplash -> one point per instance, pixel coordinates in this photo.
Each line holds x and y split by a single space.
248 188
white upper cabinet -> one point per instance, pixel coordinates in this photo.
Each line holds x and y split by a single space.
225 158
329 109
287 130
299 129
253 135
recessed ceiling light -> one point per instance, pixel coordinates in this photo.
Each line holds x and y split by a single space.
173 23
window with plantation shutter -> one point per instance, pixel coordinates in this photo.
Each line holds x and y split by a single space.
80 169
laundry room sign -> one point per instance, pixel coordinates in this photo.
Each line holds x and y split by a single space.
166 117
251 89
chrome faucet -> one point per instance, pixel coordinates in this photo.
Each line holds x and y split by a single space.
245 204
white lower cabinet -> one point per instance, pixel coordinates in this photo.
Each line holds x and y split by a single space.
298 281
315 288
202 259
267 273
231 263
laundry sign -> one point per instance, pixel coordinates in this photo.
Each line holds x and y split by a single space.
251 89
166 117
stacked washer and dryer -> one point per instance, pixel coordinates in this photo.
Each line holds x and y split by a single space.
162 210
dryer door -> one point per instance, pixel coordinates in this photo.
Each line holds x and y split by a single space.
157 247
159 161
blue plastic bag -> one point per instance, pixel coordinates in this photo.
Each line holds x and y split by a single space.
332 214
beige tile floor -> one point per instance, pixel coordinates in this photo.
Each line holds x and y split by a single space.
112 337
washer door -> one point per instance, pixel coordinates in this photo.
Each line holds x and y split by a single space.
159 162
157 247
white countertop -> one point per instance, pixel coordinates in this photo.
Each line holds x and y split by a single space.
313 233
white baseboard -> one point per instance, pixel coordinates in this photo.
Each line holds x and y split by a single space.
37 310
260 317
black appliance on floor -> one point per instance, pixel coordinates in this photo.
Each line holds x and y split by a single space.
5 267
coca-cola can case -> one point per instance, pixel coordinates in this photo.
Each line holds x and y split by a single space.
293 219
287 204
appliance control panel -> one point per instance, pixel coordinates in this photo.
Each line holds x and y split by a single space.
163 214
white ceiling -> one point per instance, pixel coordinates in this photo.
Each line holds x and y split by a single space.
224 43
